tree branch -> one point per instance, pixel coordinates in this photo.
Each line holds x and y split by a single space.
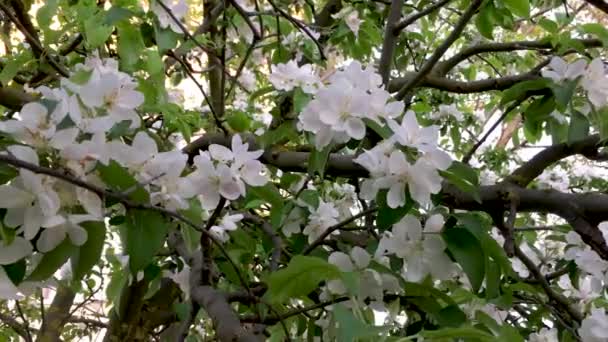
427 67
599 4
412 18
390 40
56 315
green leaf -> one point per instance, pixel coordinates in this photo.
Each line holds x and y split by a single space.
116 15
166 39
44 15
388 216
382 130
52 261
239 121
468 252
485 22
521 89
597 30
16 271
130 45
7 173
96 32
318 160
520 8
300 100
286 130
119 179
548 25
154 64
464 178
454 333
451 316
87 255
563 93
12 67
352 329
143 235
579 127
269 193
299 278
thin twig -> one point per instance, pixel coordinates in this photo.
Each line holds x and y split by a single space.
440 51
26 325
335 227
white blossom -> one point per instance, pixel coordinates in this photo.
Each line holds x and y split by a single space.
321 218
594 327
226 224
179 9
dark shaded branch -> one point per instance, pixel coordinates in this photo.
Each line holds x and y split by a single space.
447 65
427 67
462 87
526 173
31 38
19 328
274 319
390 40
599 4
553 296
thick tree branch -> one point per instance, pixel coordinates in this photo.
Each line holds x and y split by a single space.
56 315
599 4
526 173
390 40
444 67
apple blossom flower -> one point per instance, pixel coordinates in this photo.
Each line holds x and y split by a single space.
61 227
286 76
559 70
423 253
226 224
179 9
321 218
594 327
36 128
30 199
595 82
15 250
544 335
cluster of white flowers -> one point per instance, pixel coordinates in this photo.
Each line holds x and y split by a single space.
338 111
371 283
591 76
287 76
390 167
320 219
72 134
422 249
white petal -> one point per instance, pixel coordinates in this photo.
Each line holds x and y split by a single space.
90 202
32 222
342 260
17 250
355 128
24 153
360 257
220 153
50 238
64 137
434 223
12 197
77 234
396 195
7 289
